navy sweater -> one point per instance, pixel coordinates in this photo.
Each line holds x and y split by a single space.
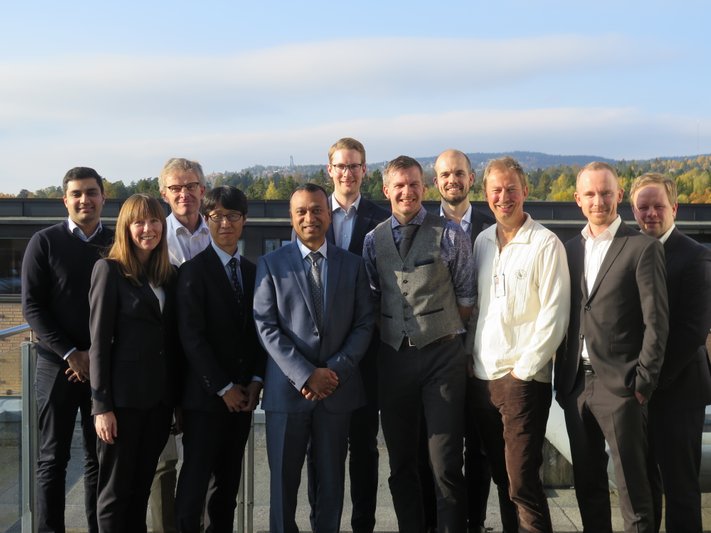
56 276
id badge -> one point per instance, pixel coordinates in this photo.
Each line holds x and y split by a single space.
499 285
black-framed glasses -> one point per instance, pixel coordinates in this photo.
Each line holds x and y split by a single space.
340 167
234 216
190 187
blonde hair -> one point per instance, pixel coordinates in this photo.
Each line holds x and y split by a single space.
598 165
504 165
158 269
347 143
179 164
653 178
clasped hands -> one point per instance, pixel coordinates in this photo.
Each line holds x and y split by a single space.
321 384
240 398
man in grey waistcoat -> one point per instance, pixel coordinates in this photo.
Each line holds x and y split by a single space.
423 282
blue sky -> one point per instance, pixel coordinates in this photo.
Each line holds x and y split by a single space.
124 86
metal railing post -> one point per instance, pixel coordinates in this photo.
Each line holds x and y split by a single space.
250 480
28 479
245 497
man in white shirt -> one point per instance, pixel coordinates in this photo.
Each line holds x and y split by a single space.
182 186
524 305
608 367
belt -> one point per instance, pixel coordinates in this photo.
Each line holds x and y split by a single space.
587 367
407 341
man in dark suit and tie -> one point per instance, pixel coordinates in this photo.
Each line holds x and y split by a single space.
352 216
314 317
677 409
225 365
56 275
454 178
608 367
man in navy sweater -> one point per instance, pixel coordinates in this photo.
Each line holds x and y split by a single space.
56 275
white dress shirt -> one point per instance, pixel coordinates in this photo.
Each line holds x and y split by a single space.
183 245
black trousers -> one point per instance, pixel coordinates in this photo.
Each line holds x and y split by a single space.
425 386
477 474
675 462
126 468
594 415
213 445
58 401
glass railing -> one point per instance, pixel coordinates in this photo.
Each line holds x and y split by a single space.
18 451
17 448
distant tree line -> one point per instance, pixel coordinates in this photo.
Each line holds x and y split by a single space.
553 183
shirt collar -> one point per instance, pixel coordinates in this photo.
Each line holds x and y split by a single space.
663 239
335 206
523 235
417 220
74 228
177 227
467 217
224 256
306 251
609 232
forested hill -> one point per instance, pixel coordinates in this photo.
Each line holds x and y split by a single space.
551 177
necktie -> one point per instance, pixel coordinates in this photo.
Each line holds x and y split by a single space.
316 286
235 279
407 234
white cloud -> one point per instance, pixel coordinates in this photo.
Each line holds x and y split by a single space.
126 115
609 132
293 78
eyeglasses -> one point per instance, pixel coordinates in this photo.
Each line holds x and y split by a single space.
190 187
230 217
340 167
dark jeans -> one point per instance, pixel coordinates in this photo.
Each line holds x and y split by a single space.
58 401
425 386
512 416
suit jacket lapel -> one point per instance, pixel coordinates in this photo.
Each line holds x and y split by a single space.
360 228
670 247
618 242
330 236
576 261
150 298
296 265
216 270
332 275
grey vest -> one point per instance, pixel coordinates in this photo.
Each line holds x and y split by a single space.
417 296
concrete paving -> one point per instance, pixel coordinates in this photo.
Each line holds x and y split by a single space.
563 506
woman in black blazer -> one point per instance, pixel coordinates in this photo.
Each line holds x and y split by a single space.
133 359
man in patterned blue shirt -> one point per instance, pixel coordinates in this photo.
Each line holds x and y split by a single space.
423 283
